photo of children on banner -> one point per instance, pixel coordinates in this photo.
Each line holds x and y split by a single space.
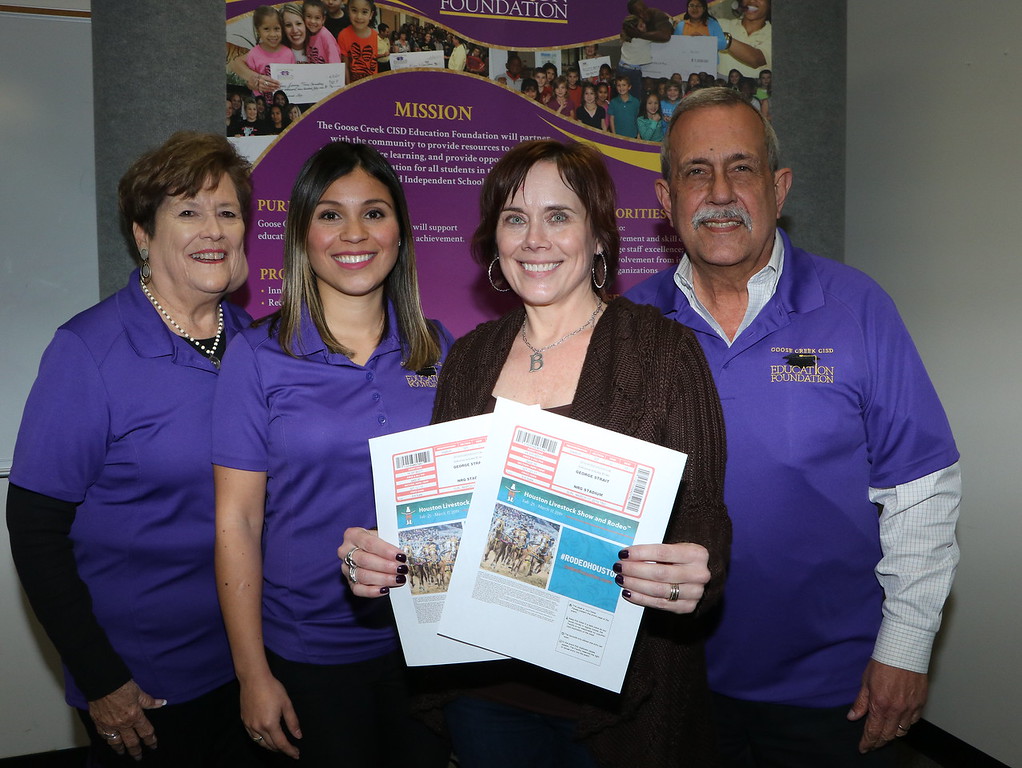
326 33
592 69
233 119
476 61
336 16
268 28
652 50
320 46
590 112
574 87
651 122
623 113
512 73
539 77
277 122
289 47
359 42
560 103
671 99
250 124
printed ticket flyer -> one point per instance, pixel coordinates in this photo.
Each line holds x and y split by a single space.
554 502
423 481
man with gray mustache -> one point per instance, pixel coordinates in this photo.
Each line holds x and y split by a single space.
842 479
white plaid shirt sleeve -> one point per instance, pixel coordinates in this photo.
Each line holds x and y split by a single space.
920 555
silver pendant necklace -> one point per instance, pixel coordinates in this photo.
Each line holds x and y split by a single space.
209 353
536 358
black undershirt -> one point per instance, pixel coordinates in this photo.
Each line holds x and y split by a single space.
40 530
218 351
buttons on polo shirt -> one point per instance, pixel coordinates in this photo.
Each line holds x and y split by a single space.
376 396
370 376
382 419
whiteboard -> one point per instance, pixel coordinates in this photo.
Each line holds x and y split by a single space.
48 252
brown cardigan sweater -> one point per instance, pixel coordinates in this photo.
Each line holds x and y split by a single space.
644 376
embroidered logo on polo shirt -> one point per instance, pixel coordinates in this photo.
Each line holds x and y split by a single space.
424 378
802 365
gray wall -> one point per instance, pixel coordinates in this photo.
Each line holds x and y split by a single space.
158 69
808 113
934 203
47 274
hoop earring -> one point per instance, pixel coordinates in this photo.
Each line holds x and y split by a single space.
599 286
489 274
145 271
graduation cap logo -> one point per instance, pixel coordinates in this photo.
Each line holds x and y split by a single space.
801 361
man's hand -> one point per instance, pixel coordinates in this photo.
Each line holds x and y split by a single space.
892 700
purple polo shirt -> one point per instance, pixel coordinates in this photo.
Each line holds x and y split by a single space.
807 437
306 422
118 423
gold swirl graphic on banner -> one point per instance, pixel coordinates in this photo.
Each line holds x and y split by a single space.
648 160
406 5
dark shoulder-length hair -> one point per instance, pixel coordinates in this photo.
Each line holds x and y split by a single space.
582 170
419 338
185 164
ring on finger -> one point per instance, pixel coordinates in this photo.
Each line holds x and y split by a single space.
352 569
114 735
347 557
257 738
675 592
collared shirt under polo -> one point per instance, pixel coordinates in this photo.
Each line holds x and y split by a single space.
118 423
760 287
824 396
306 422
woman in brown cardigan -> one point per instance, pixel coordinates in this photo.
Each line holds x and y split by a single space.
548 215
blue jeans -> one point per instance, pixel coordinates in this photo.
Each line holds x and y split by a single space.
491 735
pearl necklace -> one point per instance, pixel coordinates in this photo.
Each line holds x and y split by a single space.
536 358
209 353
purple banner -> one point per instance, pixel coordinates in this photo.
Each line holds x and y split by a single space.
442 130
